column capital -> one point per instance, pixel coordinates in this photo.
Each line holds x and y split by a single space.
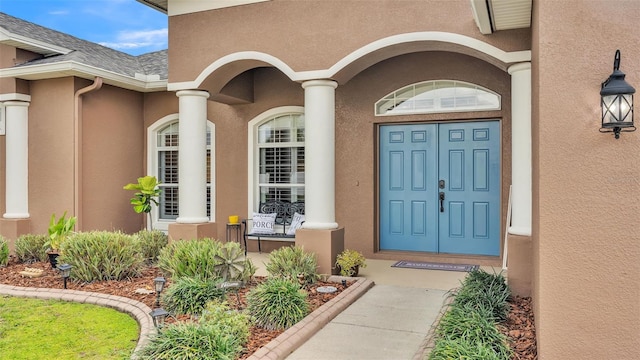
519 67
201 93
325 82
16 103
15 97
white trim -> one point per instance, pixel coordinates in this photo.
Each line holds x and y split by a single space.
15 97
30 44
481 16
73 68
439 110
520 231
152 165
231 58
179 7
252 126
301 76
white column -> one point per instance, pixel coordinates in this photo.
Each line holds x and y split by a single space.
192 158
17 163
319 154
521 149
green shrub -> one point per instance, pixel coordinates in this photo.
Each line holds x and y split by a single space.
468 330
102 255
475 327
4 251
190 295
190 258
152 242
447 349
249 270
293 263
30 248
229 321
182 341
481 290
277 304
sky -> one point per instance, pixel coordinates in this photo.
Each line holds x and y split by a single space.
124 25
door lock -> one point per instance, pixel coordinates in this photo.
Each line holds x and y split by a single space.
441 184
441 201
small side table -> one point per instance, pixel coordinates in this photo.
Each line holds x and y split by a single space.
234 232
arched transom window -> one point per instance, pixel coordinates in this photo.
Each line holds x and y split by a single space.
437 96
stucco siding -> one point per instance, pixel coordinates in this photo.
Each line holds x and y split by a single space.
112 157
332 30
587 236
356 140
51 154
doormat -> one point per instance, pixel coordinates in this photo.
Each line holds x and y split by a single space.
434 266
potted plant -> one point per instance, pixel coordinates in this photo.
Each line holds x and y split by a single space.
58 232
146 195
349 262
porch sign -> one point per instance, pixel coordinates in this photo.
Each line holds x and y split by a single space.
422 164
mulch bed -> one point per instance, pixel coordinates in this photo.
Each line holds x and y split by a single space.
9 275
520 329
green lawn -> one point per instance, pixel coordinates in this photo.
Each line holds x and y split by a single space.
48 329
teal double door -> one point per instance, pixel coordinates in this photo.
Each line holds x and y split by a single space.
440 187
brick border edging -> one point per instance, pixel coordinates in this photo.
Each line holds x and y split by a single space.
283 345
137 310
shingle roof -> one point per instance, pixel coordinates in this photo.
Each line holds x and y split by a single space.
86 52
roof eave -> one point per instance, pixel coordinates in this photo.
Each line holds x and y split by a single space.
72 68
155 4
496 15
25 43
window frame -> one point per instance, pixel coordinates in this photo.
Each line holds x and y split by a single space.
253 152
392 96
152 166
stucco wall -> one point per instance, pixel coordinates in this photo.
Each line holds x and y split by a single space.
312 35
356 161
112 156
588 243
51 175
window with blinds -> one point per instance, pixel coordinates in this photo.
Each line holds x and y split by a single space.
167 149
281 158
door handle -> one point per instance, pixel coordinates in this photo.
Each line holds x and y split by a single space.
441 201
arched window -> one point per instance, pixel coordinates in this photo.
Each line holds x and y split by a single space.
163 163
438 96
276 138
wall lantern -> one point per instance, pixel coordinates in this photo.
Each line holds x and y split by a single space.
159 315
159 285
617 102
65 271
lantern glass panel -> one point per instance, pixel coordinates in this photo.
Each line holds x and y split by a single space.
617 110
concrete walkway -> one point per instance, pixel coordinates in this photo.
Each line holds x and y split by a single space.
388 322
390 317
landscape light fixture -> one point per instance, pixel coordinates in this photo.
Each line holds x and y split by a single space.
159 285
159 315
617 102
65 271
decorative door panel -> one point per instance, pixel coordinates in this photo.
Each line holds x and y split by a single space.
440 187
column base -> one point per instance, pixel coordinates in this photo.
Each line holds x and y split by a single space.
326 244
179 231
520 264
11 229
